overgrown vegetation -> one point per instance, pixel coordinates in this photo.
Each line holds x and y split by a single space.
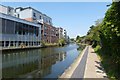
43 44
79 39
105 39
62 42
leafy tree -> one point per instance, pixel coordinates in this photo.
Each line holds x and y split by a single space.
78 39
43 44
110 36
62 42
72 39
106 34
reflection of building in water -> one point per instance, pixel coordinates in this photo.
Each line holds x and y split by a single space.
29 63
16 64
62 56
49 59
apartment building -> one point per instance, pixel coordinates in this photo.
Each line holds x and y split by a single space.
54 37
27 26
60 31
18 32
32 15
47 29
65 34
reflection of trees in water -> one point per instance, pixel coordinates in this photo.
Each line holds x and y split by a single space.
33 63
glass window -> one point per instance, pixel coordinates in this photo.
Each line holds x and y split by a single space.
34 14
16 28
3 26
40 17
18 15
9 27
49 21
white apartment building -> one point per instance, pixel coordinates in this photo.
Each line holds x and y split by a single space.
30 14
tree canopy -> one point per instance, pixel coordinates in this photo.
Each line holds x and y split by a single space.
106 34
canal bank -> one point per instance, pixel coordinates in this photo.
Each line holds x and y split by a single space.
70 70
26 48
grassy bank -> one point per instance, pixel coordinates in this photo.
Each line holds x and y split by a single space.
43 44
51 44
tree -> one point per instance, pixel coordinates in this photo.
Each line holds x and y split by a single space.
106 34
62 42
72 39
110 36
78 39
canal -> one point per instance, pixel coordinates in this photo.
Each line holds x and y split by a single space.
38 63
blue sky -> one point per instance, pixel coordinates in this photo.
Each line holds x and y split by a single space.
75 17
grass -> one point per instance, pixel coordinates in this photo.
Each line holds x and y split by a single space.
51 44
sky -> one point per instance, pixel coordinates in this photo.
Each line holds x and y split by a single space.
75 17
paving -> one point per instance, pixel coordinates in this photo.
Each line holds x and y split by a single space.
79 71
93 66
86 66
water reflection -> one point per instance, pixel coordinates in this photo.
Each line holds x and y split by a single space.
37 63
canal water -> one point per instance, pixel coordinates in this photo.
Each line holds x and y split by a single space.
38 63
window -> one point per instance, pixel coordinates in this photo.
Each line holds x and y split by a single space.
18 15
10 27
34 14
40 17
45 27
16 28
3 25
49 21
9 10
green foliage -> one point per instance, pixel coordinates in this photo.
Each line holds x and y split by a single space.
42 43
110 36
62 42
93 34
97 48
79 39
72 39
105 37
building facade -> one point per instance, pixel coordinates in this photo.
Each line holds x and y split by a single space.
65 34
16 32
32 15
7 10
60 33
28 27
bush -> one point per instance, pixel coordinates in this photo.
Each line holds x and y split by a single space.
62 42
43 44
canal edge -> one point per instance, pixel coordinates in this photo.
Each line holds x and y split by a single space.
69 71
